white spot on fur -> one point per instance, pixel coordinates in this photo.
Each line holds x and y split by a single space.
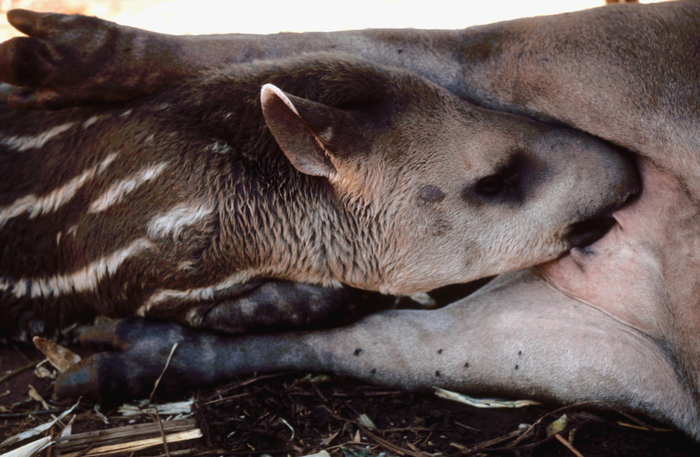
85 279
220 147
247 307
93 120
326 135
54 200
118 190
21 288
186 265
126 113
193 295
22 143
175 220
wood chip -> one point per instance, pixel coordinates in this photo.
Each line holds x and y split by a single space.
133 446
122 434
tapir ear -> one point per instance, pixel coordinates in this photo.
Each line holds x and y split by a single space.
302 129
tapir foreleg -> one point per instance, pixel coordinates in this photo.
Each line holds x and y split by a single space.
516 335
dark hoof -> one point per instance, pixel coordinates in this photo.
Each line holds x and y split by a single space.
143 349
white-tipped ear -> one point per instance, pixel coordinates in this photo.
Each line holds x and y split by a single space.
299 143
270 90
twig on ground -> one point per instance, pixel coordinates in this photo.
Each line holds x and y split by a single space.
568 445
167 363
17 371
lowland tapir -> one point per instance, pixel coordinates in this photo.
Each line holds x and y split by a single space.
209 203
616 321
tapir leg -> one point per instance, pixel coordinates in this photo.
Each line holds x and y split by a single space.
278 305
78 60
516 335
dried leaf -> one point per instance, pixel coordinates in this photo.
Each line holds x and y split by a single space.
319 454
28 450
557 426
60 357
36 430
482 402
44 373
100 415
37 397
366 422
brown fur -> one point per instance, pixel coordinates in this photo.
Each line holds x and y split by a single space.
336 204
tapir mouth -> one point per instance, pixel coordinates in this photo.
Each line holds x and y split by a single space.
587 232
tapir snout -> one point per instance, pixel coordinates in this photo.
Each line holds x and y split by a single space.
499 192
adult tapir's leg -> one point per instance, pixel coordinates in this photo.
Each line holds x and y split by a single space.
70 60
516 335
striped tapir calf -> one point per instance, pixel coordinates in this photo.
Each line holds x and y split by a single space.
219 205
616 321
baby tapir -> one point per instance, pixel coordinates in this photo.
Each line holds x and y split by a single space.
181 205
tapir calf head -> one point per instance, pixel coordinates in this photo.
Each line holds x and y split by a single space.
341 172
449 191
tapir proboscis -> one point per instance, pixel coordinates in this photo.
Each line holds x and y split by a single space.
616 321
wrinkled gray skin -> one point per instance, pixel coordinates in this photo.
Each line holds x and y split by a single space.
616 322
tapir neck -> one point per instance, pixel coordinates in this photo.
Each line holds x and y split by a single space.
301 231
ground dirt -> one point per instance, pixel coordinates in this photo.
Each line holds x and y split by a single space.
298 414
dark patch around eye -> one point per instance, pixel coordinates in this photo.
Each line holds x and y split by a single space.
509 184
431 194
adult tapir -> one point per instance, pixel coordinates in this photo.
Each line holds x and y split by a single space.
220 206
617 321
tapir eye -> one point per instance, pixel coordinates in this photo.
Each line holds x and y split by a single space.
492 186
509 183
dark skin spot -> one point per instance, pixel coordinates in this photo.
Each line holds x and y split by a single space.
517 367
439 351
466 365
520 352
358 351
437 374
430 194
373 371
440 227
